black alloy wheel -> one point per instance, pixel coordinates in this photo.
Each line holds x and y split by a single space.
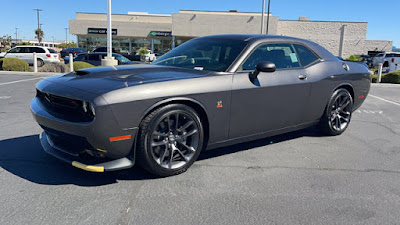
170 140
338 113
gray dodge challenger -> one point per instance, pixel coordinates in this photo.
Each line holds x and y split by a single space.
207 93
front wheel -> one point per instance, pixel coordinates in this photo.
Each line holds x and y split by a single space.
170 140
338 113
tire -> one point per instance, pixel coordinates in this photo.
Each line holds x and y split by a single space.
167 148
40 63
338 112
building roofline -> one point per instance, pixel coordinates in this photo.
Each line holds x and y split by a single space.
159 15
323 21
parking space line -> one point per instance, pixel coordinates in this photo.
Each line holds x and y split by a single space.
385 100
17 81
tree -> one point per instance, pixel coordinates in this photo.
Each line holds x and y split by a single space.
39 34
5 40
67 45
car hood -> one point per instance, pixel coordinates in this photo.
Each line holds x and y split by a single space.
100 80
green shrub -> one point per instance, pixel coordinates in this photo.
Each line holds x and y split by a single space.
392 77
81 65
55 67
13 64
355 58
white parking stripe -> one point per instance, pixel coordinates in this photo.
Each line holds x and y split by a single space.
5 97
394 103
13 82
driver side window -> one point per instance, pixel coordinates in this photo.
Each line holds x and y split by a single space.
283 55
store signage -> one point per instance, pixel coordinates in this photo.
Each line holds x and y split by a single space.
101 31
160 34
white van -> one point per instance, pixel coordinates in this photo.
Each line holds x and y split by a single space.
44 55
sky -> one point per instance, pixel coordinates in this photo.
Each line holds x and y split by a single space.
383 19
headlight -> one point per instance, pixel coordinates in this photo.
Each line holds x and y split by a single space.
88 106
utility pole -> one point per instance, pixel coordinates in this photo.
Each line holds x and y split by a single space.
262 17
38 24
269 4
16 35
66 36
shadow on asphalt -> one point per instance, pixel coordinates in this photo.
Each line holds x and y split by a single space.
25 158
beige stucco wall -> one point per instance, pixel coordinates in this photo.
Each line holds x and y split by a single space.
329 34
199 23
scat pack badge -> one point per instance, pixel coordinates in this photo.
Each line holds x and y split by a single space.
219 104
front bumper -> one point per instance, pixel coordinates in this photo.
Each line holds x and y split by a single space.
110 146
113 165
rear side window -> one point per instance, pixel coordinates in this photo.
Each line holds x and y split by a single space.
379 55
93 57
80 57
37 50
392 55
305 55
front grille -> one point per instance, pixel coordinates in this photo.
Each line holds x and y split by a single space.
64 108
68 143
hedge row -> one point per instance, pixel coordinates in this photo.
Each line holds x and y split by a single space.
392 77
14 64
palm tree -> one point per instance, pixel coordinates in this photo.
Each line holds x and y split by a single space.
39 34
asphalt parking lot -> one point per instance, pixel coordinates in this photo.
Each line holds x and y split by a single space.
296 178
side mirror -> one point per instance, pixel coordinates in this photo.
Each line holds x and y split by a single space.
266 66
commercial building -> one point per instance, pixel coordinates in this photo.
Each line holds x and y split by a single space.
160 33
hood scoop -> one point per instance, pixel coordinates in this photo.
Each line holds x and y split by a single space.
82 72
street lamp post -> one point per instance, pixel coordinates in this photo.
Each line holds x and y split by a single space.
16 35
66 36
269 4
109 60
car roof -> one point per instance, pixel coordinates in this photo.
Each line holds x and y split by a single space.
261 38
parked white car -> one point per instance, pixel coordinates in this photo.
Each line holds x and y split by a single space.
44 55
150 57
386 56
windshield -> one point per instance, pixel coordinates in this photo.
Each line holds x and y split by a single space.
121 58
204 54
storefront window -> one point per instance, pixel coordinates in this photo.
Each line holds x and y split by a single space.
161 45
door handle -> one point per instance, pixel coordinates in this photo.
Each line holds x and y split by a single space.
302 77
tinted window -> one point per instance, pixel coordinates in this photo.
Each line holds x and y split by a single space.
283 55
93 57
52 50
15 50
80 57
305 55
392 55
379 55
37 50
205 53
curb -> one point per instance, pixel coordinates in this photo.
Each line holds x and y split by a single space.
46 74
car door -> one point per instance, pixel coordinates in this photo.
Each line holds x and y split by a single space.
273 100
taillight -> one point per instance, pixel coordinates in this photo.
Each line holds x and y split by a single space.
48 55
392 59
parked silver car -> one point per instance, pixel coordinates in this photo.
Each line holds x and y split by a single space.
44 55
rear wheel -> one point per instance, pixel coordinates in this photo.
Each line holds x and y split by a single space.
170 140
338 113
40 63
